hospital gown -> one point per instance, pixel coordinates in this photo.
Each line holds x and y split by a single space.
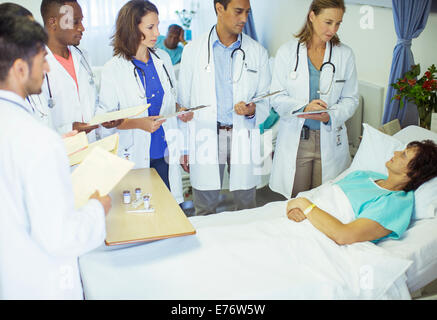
391 209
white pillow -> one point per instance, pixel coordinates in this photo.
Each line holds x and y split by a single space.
375 150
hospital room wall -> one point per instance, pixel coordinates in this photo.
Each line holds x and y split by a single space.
373 48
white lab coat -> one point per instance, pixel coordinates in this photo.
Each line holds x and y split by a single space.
120 90
197 87
333 138
71 106
41 234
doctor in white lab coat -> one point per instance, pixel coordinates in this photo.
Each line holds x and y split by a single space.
145 140
324 149
69 88
226 131
41 233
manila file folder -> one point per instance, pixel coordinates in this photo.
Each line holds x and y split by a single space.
101 171
118 115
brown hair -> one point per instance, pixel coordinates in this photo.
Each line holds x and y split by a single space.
127 36
306 33
423 166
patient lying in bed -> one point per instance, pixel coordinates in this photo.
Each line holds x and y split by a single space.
382 205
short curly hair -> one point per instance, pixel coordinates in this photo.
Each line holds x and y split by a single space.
423 167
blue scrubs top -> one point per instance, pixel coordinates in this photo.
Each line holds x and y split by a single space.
391 209
152 83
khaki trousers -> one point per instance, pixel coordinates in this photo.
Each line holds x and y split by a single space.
308 164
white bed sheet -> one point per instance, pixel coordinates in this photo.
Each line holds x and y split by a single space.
419 244
250 254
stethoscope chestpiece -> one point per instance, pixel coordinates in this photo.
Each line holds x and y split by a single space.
293 75
51 103
208 68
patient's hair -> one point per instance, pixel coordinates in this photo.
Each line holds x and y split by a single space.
306 33
48 6
423 166
127 36
14 9
175 27
20 38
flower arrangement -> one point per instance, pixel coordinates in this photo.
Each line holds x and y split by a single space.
422 92
186 17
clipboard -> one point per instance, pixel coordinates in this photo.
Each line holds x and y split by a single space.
182 112
262 97
313 112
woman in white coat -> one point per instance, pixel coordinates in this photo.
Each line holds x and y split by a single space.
317 72
139 75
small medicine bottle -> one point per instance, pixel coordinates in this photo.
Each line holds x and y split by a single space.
146 200
126 197
138 193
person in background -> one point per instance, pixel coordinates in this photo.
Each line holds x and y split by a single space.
41 233
69 87
170 44
317 72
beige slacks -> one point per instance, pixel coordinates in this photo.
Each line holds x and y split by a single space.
308 164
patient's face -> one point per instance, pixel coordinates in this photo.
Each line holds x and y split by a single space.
400 160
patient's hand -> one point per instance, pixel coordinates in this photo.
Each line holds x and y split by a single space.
295 209
296 215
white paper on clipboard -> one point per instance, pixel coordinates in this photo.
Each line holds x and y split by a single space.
313 112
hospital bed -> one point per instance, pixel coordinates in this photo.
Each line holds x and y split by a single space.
259 254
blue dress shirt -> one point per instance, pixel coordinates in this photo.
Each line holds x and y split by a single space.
223 81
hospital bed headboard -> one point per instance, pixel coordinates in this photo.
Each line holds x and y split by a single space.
370 108
373 102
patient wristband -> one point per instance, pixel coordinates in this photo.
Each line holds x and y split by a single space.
308 209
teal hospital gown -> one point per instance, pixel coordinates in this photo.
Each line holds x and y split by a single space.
391 209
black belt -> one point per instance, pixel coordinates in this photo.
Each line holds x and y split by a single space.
224 127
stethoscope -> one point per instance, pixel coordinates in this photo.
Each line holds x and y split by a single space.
293 74
208 66
143 94
51 101
16 103
32 103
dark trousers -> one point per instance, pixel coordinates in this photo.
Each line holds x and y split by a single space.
161 166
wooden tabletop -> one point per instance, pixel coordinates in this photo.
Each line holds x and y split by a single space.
167 221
